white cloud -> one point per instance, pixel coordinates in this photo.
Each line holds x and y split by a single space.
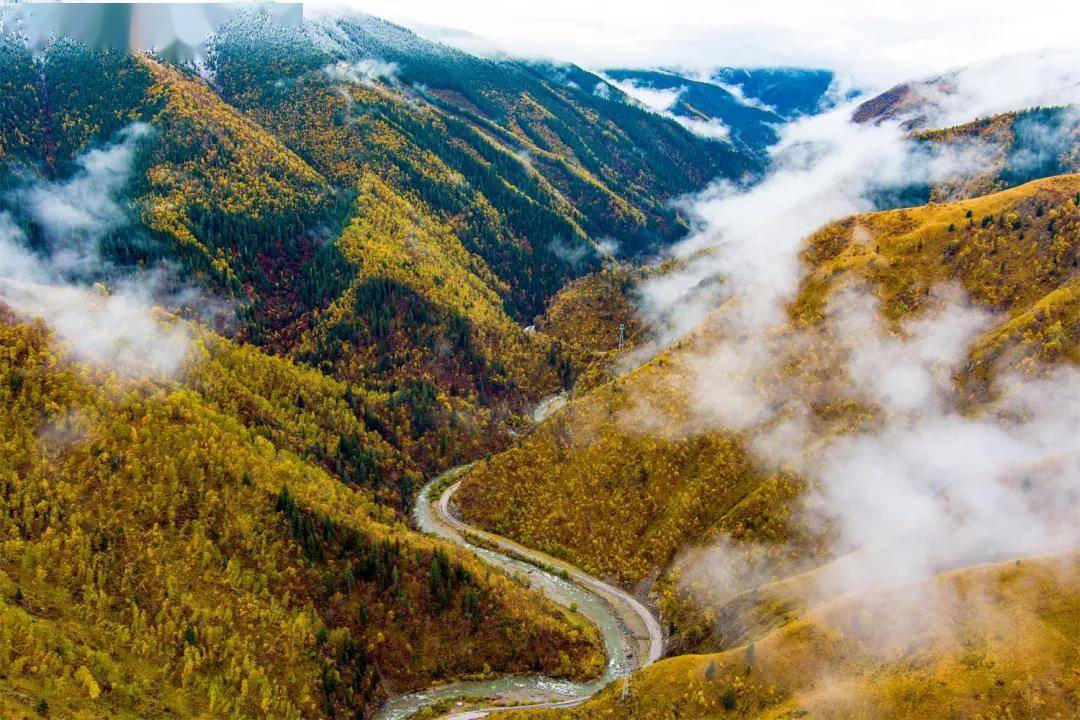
658 100
924 486
607 247
76 212
712 128
661 100
363 72
115 328
878 43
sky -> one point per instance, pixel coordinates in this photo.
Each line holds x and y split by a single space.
877 43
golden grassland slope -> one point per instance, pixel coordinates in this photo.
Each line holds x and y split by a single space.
1016 252
992 642
628 474
168 551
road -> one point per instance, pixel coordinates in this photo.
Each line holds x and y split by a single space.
650 624
632 636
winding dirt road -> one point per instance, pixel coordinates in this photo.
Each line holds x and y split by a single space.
648 622
609 592
632 636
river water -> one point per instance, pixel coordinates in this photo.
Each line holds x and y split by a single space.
527 689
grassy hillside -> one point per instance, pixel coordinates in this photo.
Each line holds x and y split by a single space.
131 510
628 475
1016 252
994 641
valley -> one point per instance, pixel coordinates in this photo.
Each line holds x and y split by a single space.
357 369
632 637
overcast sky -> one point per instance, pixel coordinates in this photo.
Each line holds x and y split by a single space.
877 42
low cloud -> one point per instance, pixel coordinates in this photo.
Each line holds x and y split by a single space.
1003 84
659 100
712 128
737 93
571 254
115 329
608 247
931 487
878 44
922 486
748 240
113 326
367 71
75 213
915 484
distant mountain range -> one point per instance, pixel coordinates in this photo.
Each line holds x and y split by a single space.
750 104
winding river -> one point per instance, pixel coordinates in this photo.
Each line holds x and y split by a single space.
632 636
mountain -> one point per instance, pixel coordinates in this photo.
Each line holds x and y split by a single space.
349 229
1013 148
989 154
386 209
747 126
1007 657
1001 85
629 477
741 105
249 305
196 546
562 167
744 106
788 92
913 104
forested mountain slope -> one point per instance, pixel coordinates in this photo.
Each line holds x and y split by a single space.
195 546
748 104
380 207
1012 148
531 171
750 127
787 91
630 475
377 253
